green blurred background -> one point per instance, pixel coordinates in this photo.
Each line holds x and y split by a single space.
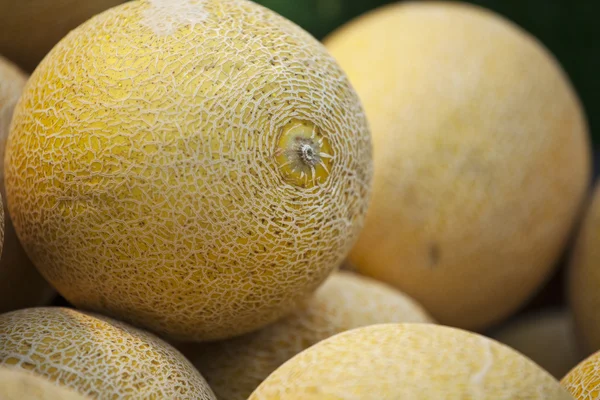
568 28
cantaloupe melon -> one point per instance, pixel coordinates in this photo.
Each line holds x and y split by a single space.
583 277
193 167
409 361
21 285
234 368
29 28
481 154
97 356
583 381
546 337
19 384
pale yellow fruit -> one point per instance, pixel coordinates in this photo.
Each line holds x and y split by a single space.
409 361
583 277
193 167
481 154
18 384
235 367
546 337
29 28
583 381
21 285
97 356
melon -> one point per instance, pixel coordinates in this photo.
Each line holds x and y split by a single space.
409 361
583 277
196 168
546 337
97 356
18 384
481 157
583 380
234 368
30 28
21 285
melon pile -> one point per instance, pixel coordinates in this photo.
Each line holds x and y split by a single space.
202 201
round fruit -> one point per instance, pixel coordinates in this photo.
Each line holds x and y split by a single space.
235 367
21 285
583 380
18 384
97 356
583 278
29 29
546 337
481 154
409 361
206 165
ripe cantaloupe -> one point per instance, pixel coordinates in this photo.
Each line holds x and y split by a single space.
481 154
97 356
583 381
21 285
19 384
409 361
30 28
583 277
204 167
234 368
546 337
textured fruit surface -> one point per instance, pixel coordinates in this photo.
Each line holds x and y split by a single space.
97 356
409 361
21 285
234 368
193 167
583 277
546 337
18 384
481 154
583 381
29 28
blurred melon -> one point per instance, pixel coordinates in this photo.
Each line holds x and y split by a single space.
234 368
30 28
481 152
583 278
409 361
19 384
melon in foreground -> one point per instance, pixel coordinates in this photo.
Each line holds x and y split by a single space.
546 337
583 380
19 384
29 29
409 361
97 356
21 285
234 368
481 155
206 165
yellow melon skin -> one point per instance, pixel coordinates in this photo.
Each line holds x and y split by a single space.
546 337
583 277
97 356
30 28
583 381
193 167
234 368
21 285
481 155
18 384
409 361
